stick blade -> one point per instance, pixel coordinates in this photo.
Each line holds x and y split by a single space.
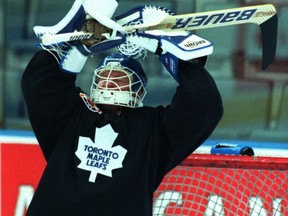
269 31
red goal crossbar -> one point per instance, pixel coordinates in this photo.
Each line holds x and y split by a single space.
217 185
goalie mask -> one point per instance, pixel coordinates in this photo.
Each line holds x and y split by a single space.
119 81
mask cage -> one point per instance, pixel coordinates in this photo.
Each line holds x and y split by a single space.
109 89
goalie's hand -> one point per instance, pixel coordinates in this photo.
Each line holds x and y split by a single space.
103 38
99 31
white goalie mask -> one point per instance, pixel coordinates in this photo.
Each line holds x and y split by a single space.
119 81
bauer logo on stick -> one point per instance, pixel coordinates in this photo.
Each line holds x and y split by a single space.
234 16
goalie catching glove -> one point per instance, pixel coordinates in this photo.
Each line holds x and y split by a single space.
170 46
85 15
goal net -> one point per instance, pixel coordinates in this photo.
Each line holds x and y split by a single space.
217 185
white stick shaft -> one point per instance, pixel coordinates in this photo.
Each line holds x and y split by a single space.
48 39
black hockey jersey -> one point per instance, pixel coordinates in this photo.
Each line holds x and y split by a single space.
99 164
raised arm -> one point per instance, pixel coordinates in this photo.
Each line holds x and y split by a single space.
48 83
194 112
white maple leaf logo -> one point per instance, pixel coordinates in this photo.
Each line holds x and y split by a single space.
100 157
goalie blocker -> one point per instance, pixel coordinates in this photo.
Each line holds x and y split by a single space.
184 48
169 46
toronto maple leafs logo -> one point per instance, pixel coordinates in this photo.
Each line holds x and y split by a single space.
100 157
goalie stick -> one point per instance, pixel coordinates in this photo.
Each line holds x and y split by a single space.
263 15
257 14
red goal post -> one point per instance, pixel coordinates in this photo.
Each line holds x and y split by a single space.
217 185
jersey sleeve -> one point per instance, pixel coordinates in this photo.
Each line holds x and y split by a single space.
50 96
193 114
